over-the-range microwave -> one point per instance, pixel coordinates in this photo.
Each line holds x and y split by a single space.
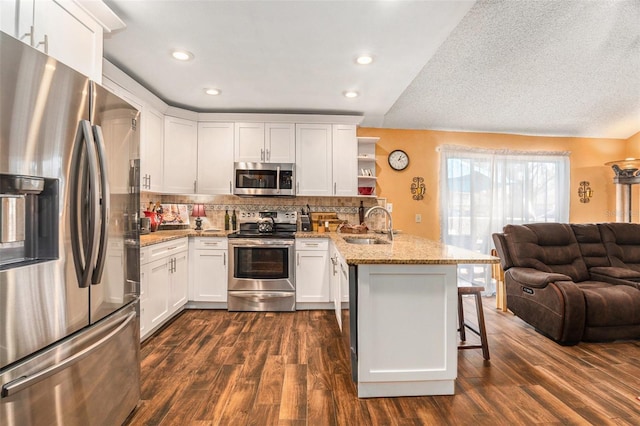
264 179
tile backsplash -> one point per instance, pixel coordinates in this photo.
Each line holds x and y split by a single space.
215 206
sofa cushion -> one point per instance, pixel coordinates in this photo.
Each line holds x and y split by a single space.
548 247
622 243
609 305
591 246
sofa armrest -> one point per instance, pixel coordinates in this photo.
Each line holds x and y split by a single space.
616 272
616 275
535 278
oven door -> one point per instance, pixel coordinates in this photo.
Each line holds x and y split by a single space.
261 264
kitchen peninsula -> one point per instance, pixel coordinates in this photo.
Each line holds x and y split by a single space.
402 318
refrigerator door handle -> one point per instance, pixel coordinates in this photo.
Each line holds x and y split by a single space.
26 381
83 246
105 196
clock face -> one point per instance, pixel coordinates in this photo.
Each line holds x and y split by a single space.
398 160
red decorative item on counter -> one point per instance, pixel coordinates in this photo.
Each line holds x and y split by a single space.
155 220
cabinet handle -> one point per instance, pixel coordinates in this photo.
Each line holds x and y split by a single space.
262 155
230 190
298 258
30 35
44 42
224 259
297 187
149 182
334 188
268 155
195 186
311 244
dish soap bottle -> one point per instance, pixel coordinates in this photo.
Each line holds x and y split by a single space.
361 213
234 220
226 220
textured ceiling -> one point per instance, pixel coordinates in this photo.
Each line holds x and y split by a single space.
564 68
567 68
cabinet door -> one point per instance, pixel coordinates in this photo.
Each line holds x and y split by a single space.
345 160
210 276
249 142
280 142
151 150
215 158
312 276
158 291
72 36
313 159
16 18
180 155
335 279
179 291
145 321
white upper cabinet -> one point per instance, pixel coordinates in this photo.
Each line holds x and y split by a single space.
345 160
59 28
264 142
180 155
313 160
280 142
215 158
326 160
249 142
151 149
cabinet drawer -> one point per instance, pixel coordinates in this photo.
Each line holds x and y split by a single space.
168 248
210 243
312 244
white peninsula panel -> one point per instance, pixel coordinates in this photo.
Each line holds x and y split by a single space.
407 330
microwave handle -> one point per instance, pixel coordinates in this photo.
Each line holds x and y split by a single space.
277 179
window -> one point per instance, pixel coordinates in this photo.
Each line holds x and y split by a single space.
483 190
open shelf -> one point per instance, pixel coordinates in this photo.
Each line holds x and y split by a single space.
367 162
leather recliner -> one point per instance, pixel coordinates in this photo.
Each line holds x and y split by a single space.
569 290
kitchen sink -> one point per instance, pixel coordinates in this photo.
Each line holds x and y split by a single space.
361 240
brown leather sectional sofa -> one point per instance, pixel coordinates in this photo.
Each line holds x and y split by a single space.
574 282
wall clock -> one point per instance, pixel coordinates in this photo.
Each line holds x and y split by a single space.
398 159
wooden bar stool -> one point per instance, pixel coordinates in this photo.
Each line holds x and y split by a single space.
482 332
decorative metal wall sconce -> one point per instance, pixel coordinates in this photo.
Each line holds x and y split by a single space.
585 192
417 188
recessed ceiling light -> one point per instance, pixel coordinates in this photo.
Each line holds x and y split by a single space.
212 92
364 59
351 94
182 55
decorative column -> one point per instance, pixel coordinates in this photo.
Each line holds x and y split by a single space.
627 174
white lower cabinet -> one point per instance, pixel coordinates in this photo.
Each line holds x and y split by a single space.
164 283
209 263
312 274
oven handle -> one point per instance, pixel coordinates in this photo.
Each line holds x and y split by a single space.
260 243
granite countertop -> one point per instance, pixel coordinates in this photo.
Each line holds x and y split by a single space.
405 248
168 235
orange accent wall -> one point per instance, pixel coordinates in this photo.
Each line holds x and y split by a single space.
633 146
587 163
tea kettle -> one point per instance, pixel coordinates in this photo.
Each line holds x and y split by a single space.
266 224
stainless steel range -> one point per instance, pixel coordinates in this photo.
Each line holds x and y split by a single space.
261 266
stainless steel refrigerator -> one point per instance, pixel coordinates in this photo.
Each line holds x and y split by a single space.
69 245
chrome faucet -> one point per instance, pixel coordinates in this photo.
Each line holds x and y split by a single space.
388 215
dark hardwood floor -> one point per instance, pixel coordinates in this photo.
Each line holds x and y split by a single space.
219 368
